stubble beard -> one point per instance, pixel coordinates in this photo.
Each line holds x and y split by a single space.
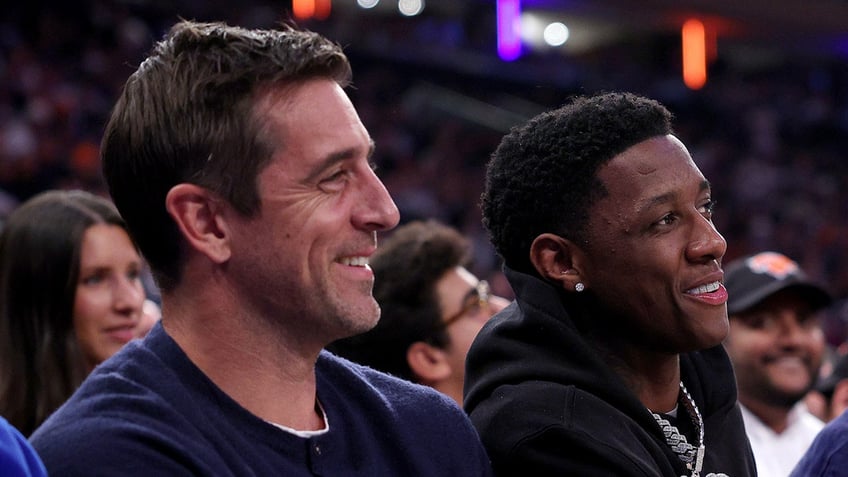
356 319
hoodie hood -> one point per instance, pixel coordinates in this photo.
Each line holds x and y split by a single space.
532 379
534 339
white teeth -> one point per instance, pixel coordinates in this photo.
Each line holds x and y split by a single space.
355 261
708 288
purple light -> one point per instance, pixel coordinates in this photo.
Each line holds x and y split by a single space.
509 29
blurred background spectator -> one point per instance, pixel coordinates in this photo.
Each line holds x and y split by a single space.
777 346
769 128
431 308
71 296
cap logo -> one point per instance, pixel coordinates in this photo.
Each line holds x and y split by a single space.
777 265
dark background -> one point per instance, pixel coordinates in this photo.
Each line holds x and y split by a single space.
768 129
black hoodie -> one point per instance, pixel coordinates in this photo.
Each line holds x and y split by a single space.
545 403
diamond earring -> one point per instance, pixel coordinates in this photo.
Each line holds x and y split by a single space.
579 287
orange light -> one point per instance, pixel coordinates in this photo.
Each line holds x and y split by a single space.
694 54
303 9
322 9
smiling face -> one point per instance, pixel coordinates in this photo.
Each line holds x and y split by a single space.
776 348
653 256
302 260
109 293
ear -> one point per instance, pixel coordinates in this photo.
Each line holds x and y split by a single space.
198 214
556 259
428 363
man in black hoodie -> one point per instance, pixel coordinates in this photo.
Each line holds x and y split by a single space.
609 362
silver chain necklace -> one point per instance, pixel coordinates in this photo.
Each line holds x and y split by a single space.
691 455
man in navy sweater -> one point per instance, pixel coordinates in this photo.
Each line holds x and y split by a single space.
243 173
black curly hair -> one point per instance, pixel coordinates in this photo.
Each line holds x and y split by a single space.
543 175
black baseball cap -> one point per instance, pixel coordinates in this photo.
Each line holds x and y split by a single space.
752 279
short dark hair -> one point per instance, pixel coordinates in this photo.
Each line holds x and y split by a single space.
543 175
41 363
406 269
187 115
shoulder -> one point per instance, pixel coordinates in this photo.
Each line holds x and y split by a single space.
17 457
391 416
377 389
533 406
136 404
134 382
108 446
546 426
371 396
829 450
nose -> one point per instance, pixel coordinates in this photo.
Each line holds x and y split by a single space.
707 243
376 211
128 297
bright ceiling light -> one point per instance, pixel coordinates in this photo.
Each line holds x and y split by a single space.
410 8
556 34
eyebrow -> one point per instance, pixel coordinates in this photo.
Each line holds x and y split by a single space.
663 198
337 157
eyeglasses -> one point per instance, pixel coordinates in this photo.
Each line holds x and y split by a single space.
478 297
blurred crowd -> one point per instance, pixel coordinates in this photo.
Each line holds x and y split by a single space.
771 139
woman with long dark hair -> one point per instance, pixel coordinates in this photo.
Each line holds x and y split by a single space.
70 297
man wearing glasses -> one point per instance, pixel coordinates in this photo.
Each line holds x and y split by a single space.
431 308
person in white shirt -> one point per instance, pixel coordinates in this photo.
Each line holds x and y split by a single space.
776 344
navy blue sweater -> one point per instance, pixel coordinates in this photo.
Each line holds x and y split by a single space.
150 411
